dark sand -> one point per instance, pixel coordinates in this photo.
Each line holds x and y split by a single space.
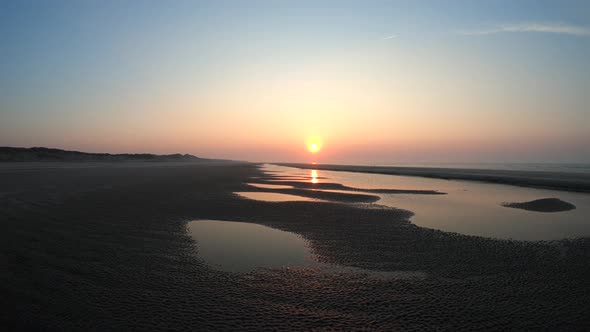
318 190
322 195
338 186
105 247
543 205
539 179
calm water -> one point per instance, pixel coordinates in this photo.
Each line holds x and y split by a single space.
274 197
471 208
549 167
269 186
243 247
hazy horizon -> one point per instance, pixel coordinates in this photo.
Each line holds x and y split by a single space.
375 82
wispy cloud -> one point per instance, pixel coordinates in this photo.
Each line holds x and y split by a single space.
390 37
558 28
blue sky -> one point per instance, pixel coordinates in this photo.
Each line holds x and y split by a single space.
379 81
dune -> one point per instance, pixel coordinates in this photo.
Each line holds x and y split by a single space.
10 154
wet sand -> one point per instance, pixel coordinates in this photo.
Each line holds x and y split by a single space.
105 247
338 186
542 205
538 179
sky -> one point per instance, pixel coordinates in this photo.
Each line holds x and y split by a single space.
372 82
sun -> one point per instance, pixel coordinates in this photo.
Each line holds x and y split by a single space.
314 145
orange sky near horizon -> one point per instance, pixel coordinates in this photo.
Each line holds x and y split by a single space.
376 82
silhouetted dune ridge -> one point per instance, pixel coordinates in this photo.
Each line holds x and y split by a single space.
49 154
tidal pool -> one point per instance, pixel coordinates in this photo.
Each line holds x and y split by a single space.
274 197
241 247
269 186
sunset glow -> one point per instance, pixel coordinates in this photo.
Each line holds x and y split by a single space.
314 144
398 88
295 165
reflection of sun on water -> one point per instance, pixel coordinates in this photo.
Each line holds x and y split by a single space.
314 176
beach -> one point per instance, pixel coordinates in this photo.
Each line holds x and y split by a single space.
569 181
104 246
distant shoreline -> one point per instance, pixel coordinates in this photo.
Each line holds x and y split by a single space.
578 182
43 154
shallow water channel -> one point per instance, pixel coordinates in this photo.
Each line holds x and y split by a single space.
469 207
